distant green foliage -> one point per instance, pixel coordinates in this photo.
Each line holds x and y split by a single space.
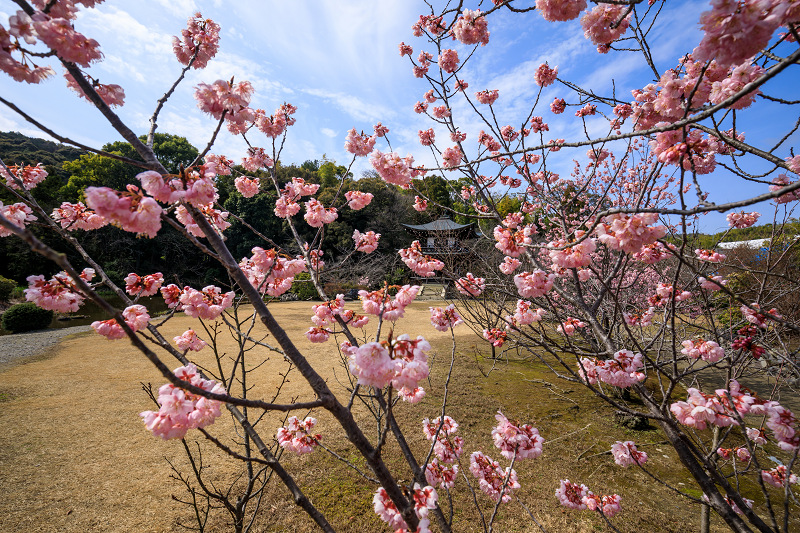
303 287
26 317
6 288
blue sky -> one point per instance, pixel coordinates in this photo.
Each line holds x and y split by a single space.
338 62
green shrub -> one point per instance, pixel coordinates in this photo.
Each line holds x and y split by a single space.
26 317
7 286
303 287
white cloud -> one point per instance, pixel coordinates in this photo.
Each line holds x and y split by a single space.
329 132
184 8
353 105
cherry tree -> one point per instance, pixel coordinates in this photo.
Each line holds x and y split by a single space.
597 271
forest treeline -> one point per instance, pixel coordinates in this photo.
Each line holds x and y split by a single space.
72 170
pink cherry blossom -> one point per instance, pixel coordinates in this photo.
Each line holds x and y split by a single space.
438 474
573 255
509 265
487 97
59 34
200 37
625 454
558 106
207 303
367 242
392 168
148 285
359 145
421 264
545 75
777 477
571 495
420 204
427 137
471 28
357 199
295 436
526 315
76 216
445 318
59 294
372 365
135 316
318 215
709 255
516 440
605 24
189 340
217 219
630 233
570 326
448 60
470 285
18 214
780 182
113 95
131 211
497 337
247 186
742 219
28 175
560 10
534 284
181 410
492 478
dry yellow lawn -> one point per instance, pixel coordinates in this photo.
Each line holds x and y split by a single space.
75 457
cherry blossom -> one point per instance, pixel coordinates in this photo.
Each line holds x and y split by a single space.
207 303
555 10
471 28
113 95
516 440
367 242
606 23
742 219
148 285
357 199
572 255
181 410
372 365
421 264
318 215
487 97
625 454
200 39
76 216
131 210
492 478
18 214
534 284
28 175
392 168
135 316
359 145
630 233
709 256
189 340
420 204
58 294
217 219
777 477
445 318
509 265
469 285
448 60
497 337
247 186
545 75
296 436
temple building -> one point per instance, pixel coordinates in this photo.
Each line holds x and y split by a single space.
447 241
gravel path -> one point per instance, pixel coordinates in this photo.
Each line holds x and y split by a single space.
33 342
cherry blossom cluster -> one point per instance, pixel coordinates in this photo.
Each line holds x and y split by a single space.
181 410
570 326
620 371
606 23
421 264
545 76
359 145
558 11
742 219
741 453
296 436
666 293
188 340
29 177
18 214
287 205
420 204
275 125
403 364
747 342
131 210
379 303
445 318
247 186
135 316
470 285
571 255
196 188
425 498
447 446
112 94
207 303
392 168
509 265
579 497
229 100
487 97
524 315
753 314
59 293
366 242
630 233
200 39
317 215
77 216
512 243
269 272
492 479
778 477
707 350
644 319
625 454
713 284
534 284
56 31
357 199
516 440
709 256
148 285
471 28
218 219
497 337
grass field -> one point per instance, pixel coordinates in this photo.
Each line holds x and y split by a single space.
75 457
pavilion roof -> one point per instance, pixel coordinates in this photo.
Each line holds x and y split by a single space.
440 224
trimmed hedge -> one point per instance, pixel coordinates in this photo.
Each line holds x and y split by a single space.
7 286
26 317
